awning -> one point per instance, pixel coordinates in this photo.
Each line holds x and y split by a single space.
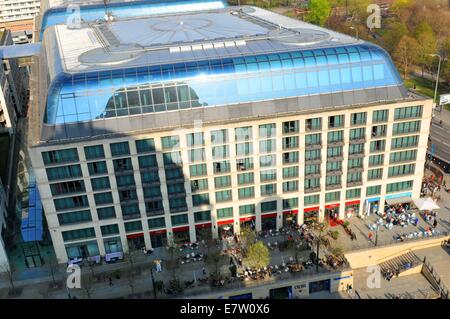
426 204
398 200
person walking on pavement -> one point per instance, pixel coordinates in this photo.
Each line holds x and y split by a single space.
435 223
110 282
370 236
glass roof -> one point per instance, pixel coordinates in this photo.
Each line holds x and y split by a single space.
91 13
206 83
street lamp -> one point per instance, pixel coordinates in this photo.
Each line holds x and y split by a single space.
437 77
357 32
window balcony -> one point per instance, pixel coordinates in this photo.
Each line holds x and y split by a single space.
358 140
312 190
335 143
334 186
313 175
313 146
356 155
356 169
313 161
355 183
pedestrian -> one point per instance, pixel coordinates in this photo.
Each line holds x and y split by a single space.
231 260
435 223
110 282
370 236
204 271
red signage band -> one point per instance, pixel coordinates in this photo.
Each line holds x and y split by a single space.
135 235
332 205
269 215
310 209
293 212
199 226
158 232
178 229
246 219
353 202
225 222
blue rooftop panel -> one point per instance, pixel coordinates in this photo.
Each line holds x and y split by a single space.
32 222
91 13
206 83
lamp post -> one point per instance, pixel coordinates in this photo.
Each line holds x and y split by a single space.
357 32
437 77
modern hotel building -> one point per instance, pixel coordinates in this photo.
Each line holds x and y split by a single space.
181 125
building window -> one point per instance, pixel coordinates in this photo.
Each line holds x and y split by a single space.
198 170
358 118
311 183
379 131
149 177
219 136
311 200
128 194
244 149
401 170
118 149
313 124
312 154
122 164
357 133
356 149
202 216
268 160
106 212
408 112
196 155
398 187
174 189
145 145
313 139
97 168
336 121
94 152
125 180
156 223
220 152
290 158
333 180
173 158
60 156
380 116
290 127
170 142
268 189
333 152
71 202
355 163
224 212
334 166
245 178
335 137
267 146
78 234
222 167
200 199
354 177
267 130
195 139
100 183
290 142
268 206
377 146
147 161
332 197
404 156
103 198
222 181
290 203
179 220
74 217
224 196
405 142
151 191
63 172
290 186
374 174
376 160
67 187
290 172
373 190
246 192
353 193
135 226
247 209
108 230
243 133
406 127
199 185
268 175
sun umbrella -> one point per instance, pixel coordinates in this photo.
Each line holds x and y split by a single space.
425 204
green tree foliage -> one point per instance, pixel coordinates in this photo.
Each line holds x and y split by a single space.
247 238
406 54
393 35
258 256
319 11
427 41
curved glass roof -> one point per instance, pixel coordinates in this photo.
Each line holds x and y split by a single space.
124 92
90 13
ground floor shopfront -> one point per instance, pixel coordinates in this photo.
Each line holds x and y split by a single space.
290 288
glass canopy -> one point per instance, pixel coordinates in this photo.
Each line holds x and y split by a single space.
91 13
125 92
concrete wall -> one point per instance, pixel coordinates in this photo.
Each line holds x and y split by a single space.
368 257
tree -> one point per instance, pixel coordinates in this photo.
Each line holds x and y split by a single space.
319 11
428 45
395 31
258 256
87 284
213 260
247 238
406 54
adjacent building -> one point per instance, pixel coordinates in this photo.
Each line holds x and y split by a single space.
199 123
18 15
